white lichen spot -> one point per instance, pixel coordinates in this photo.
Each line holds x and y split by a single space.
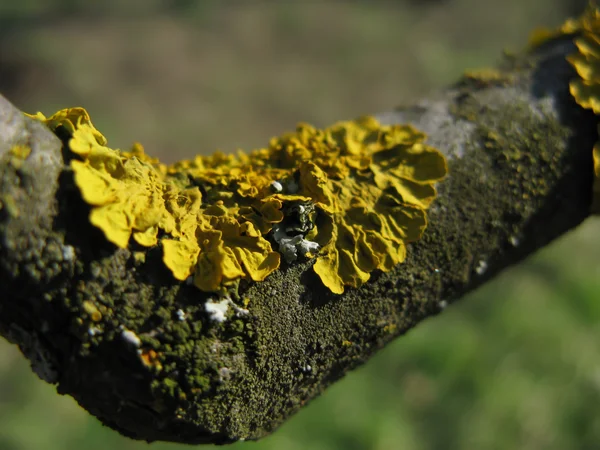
305 246
443 304
238 310
276 186
180 313
68 252
217 310
224 374
131 338
93 331
290 248
481 267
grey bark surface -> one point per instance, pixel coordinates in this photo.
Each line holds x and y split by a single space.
137 349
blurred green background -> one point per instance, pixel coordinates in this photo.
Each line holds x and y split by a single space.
515 365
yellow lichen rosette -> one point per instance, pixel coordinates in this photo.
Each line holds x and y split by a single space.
371 184
351 196
586 87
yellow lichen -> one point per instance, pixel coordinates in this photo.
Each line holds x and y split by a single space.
92 311
126 194
487 77
372 184
586 87
69 119
139 257
229 251
150 358
18 154
542 35
20 151
351 195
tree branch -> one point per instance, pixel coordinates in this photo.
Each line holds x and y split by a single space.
113 329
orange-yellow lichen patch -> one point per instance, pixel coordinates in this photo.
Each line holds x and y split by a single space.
487 77
264 213
371 185
126 193
351 195
596 185
20 151
18 154
585 88
92 311
69 119
541 35
231 250
132 196
150 358
124 188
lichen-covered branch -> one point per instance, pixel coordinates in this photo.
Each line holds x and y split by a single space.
101 311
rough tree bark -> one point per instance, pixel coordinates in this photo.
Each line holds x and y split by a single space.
113 329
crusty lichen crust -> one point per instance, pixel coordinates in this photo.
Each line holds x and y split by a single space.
351 196
585 89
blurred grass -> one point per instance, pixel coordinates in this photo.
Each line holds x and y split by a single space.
514 365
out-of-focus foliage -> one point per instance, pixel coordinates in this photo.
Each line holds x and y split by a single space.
515 365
